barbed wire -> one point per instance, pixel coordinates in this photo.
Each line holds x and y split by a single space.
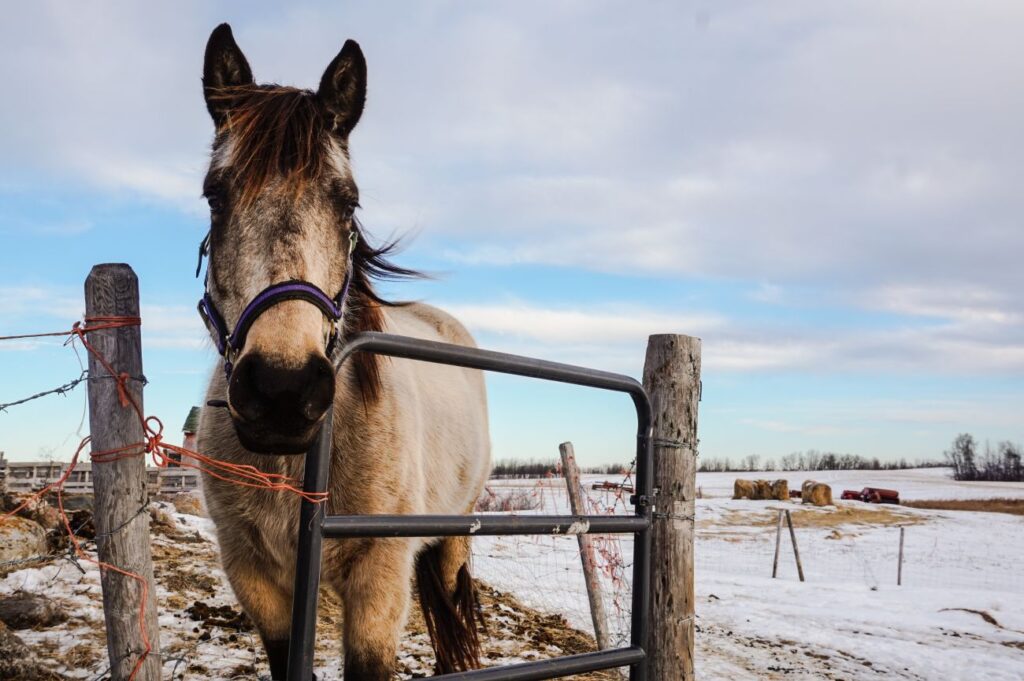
68 387
153 445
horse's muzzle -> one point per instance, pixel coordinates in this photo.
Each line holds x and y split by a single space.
278 410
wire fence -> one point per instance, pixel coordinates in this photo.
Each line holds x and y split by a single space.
934 554
949 551
161 454
545 572
71 568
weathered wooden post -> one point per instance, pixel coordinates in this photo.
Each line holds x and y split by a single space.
796 551
778 542
672 380
121 496
586 542
899 565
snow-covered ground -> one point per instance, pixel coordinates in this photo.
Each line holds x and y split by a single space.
958 615
962 572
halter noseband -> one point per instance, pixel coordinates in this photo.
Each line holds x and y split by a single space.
230 343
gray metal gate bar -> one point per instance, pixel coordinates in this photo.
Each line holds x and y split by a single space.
555 667
338 526
314 525
307 572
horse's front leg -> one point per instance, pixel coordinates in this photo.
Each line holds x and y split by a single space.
268 603
375 592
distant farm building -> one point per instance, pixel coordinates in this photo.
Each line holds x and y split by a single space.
31 476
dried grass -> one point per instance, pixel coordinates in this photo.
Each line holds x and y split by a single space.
1011 506
845 514
511 500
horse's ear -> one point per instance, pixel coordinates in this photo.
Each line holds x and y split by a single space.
343 88
224 66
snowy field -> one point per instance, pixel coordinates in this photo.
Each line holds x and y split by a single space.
958 615
914 483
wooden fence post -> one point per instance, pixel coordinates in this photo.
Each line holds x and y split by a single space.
672 380
899 566
586 542
778 542
120 492
796 551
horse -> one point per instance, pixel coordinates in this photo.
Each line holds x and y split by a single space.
408 437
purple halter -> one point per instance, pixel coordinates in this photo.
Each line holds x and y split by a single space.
229 343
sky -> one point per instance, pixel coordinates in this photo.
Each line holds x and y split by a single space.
827 194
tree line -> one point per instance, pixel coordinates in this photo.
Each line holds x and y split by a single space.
811 460
968 459
971 462
540 468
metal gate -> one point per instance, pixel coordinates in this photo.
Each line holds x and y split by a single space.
315 525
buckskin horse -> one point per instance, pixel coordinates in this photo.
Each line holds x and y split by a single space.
290 274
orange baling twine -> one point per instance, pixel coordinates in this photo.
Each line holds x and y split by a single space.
237 474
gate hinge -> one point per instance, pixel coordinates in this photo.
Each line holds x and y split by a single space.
639 500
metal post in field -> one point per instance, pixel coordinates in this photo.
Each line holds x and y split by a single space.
796 551
899 566
778 542
120 491
586 542
672 380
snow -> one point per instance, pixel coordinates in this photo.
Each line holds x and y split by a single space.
849 620
959 613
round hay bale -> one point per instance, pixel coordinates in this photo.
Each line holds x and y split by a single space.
780 490
762 489
743 489
819 494
21 538
189 504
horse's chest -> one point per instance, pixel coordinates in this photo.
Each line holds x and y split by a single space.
273 533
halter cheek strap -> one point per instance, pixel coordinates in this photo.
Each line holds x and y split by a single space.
230 343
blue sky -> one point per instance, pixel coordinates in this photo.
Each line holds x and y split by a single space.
826 193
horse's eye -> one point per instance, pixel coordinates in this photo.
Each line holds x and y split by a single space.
216 203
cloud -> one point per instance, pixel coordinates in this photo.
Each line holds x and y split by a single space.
616 324
964 304
867 155
50 302
614 337
858 144
45 308
172 326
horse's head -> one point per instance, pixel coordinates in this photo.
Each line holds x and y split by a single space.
281 197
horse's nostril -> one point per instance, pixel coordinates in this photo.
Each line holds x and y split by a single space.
319 388
243 390
283 399
311 410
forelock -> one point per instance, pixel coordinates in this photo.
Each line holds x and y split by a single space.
276 133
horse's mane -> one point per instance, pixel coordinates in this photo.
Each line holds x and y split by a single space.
284 132
275 131
371 264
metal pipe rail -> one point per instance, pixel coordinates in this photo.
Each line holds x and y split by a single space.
338 526
314 525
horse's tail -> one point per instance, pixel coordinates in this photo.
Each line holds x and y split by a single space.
449 604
